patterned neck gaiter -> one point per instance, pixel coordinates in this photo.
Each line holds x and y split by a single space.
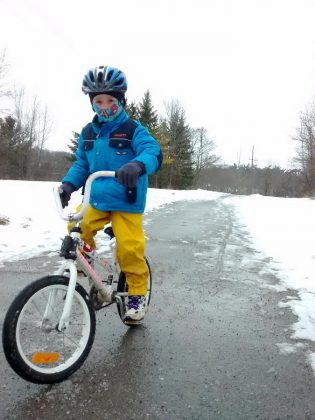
109 114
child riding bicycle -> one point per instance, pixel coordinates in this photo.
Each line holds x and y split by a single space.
113 142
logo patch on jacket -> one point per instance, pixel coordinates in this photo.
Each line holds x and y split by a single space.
120 134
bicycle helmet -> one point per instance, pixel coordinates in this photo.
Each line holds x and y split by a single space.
104 79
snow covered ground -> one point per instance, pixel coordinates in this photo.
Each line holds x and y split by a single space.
280 228
35 226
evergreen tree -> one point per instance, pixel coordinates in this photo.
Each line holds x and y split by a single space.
147 114
132 110
14 149
160 179
73 146
149 119
180 150
7 152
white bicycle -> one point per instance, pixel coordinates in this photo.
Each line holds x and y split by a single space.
49 328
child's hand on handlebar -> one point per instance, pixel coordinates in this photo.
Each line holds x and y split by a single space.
67 189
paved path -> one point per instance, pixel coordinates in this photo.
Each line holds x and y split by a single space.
207 349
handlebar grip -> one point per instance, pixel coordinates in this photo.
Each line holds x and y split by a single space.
86 198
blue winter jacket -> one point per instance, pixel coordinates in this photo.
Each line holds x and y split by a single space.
106 193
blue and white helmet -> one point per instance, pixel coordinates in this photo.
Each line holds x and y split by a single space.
104 79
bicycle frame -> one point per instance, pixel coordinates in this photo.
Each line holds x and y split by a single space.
107 292
50 327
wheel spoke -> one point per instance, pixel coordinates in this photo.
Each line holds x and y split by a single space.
36 307
70 339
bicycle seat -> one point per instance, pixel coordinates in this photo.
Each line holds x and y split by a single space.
109 231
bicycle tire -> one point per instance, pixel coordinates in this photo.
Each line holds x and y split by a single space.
13 339
123 287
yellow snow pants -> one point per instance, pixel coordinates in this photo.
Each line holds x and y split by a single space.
130 241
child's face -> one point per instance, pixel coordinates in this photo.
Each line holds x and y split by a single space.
104 101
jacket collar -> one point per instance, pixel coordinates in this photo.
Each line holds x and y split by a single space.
108 126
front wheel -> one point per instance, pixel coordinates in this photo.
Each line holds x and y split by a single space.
123 287
34 347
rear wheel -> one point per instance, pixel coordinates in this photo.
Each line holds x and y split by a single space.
122 287
34 347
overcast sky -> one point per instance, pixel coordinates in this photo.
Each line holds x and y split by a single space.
243 69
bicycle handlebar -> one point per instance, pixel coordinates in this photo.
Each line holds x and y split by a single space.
86 197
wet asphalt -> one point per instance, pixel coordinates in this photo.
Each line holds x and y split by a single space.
207 348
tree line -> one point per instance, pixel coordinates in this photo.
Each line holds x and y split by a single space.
190 161
189 152
23 135
247 179
24 129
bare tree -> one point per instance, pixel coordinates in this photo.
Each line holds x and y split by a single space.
44 129
20 147
4 90
203 147
305 137
34 128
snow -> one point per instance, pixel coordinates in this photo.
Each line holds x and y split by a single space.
286 348
35 227
283 228
280 228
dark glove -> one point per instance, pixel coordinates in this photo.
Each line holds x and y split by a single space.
68 189
129 173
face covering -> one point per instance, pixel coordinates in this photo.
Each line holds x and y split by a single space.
109 114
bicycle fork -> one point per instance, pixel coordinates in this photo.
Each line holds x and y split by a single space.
64 320
71 266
